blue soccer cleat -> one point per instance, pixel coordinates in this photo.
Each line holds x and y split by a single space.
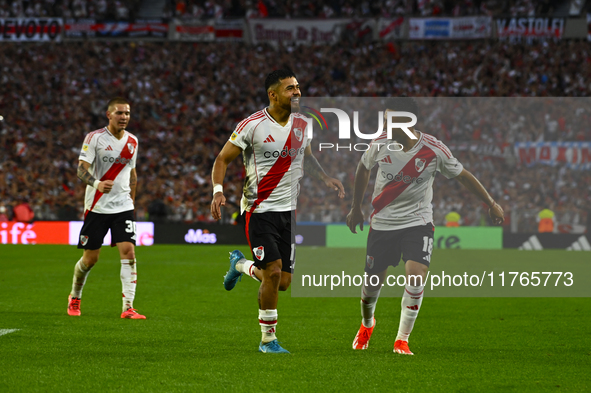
272 347
232 276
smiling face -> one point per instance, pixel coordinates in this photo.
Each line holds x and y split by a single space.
118 115
281 94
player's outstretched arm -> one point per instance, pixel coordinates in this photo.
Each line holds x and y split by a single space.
495 211
355 216
83 174
218 173
312 167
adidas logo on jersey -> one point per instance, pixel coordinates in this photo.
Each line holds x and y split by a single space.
269 139
109 148
581 244
386 159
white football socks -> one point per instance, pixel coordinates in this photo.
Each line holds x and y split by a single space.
369 299
268 322
128 282
80 273
411 304
247 267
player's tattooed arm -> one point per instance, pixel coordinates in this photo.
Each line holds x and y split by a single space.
133 183
312 166
83 173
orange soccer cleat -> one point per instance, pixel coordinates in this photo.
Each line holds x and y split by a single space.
132 313
73 306
402 347
363 335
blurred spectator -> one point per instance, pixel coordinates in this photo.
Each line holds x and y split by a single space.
3 213
157 211
452 219
23 212
546 221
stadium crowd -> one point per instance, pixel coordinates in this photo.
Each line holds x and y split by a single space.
207 9
186 100
79 9
353 8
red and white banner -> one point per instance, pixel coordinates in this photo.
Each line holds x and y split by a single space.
303 31
229 30
390 29
530 27
206 31
31 29
575 155
187 30
62 232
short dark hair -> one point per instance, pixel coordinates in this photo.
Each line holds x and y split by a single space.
117 101
277 76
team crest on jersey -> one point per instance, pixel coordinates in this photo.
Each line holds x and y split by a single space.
420 164
298 134
259 252
83 239
369 262
131 147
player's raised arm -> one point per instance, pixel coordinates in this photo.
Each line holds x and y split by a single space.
227 155
84 175
313 168
495 211
355 216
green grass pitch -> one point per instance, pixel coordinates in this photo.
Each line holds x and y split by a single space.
198 337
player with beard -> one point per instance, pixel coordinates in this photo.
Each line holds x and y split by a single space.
275 146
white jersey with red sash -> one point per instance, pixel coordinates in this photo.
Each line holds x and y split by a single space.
404 182
110 159
273 157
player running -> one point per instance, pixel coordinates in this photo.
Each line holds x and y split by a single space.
273 142
107 166
401 223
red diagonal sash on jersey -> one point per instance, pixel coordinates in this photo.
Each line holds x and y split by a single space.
281 166
395 188
115 169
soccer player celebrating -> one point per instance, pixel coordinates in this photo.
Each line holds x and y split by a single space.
107 166
273 142
401 223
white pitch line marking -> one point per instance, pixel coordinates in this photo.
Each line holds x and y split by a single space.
7 331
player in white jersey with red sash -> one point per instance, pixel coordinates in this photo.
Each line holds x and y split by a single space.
107 166
276 151
401 224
